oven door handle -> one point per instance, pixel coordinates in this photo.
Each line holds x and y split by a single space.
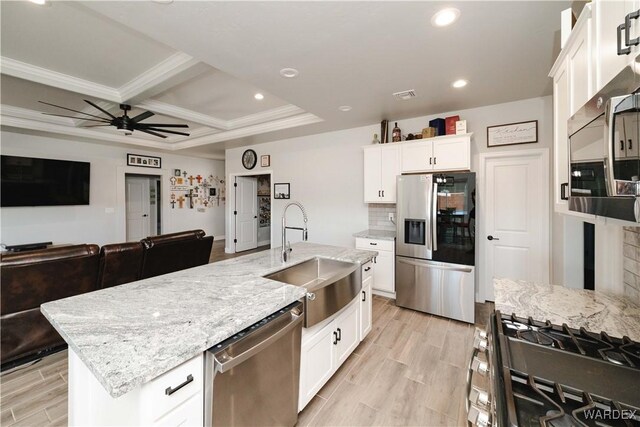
474 353
223 362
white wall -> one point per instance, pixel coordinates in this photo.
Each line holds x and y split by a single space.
326 170
94 223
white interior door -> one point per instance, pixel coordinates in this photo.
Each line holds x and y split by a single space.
138 208
246 213
514 240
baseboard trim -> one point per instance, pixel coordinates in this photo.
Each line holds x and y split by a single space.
264 242
229 251
385 294
220 237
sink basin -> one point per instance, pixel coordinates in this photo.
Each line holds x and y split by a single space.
330 284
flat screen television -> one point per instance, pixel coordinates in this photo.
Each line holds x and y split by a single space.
28 181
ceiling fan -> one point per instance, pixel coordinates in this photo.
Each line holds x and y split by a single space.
123 123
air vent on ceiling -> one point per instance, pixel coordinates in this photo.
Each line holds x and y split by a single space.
405 94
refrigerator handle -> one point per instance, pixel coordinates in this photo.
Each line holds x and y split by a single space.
428 237
434 217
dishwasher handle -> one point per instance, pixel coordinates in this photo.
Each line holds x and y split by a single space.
224 363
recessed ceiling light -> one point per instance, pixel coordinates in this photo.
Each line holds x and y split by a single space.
40 2
259 96
445 17
459 83
344 108
289 73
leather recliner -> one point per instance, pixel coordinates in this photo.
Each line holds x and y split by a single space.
177 251
120 263
32 278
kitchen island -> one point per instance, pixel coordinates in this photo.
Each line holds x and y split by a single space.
129 335
576 308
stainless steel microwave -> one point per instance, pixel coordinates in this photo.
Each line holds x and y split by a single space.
604 154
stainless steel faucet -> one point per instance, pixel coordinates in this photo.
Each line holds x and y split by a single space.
286 246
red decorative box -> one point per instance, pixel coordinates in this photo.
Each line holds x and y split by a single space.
450 124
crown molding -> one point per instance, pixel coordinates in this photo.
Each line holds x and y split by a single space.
289 122
156 75
41 75
265 116
27 114
183 113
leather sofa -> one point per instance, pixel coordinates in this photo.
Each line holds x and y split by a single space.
32 278
29 279
173 252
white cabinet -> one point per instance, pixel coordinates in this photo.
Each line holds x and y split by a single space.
445 153
608 15
366 306
383 265
187 414
381 166
325 347
579 64
560 138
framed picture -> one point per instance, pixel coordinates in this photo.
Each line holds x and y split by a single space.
177 172
265 161
281 191
512 133
144 161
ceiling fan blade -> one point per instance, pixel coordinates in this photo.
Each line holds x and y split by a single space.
79 118
164 130
101 109
151 133
142 116
75 111
161 125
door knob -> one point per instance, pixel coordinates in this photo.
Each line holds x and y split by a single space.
256 216
145 215
492 238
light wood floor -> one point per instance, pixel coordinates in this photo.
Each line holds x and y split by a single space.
410 370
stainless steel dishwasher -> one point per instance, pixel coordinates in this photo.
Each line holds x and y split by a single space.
252 378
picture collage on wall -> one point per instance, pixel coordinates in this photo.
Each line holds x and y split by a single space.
188 191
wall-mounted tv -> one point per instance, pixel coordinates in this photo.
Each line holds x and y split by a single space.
28 181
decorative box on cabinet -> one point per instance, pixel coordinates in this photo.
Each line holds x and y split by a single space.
381 166
383 265
443 153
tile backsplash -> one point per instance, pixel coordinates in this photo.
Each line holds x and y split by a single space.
379 216
631 263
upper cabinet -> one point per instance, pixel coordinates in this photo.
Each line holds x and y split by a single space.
444 153
384 162
381 166
593 55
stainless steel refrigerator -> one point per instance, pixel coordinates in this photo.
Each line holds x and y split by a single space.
435 244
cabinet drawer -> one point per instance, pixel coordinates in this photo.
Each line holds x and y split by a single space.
188 414
378 245
172 388
367 270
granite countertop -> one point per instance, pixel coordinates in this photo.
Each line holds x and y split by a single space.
577 308
376 234
129 334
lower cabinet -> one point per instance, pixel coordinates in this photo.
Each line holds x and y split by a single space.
384 282
366 307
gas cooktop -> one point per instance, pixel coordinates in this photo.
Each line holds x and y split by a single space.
553 375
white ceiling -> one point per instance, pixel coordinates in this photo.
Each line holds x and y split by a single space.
348 53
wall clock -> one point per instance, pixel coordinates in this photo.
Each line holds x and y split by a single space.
249 159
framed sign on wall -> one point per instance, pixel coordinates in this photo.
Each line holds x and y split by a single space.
144 161
512 133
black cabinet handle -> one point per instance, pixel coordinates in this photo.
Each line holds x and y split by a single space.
379 193
382 193
339 334
375 259
367 269
621 145
372 244
627 24
364 296
169 391
430 160
492 238
435 160
563 191
630 144
335 338
621 50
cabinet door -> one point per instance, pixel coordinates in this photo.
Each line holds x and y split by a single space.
383 272
579 58
560 137
608 15
317 363
190 413
417 156
372 174
631 135
365 308
348 332
452 154
390 170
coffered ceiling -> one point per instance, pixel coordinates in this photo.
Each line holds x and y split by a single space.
201 63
